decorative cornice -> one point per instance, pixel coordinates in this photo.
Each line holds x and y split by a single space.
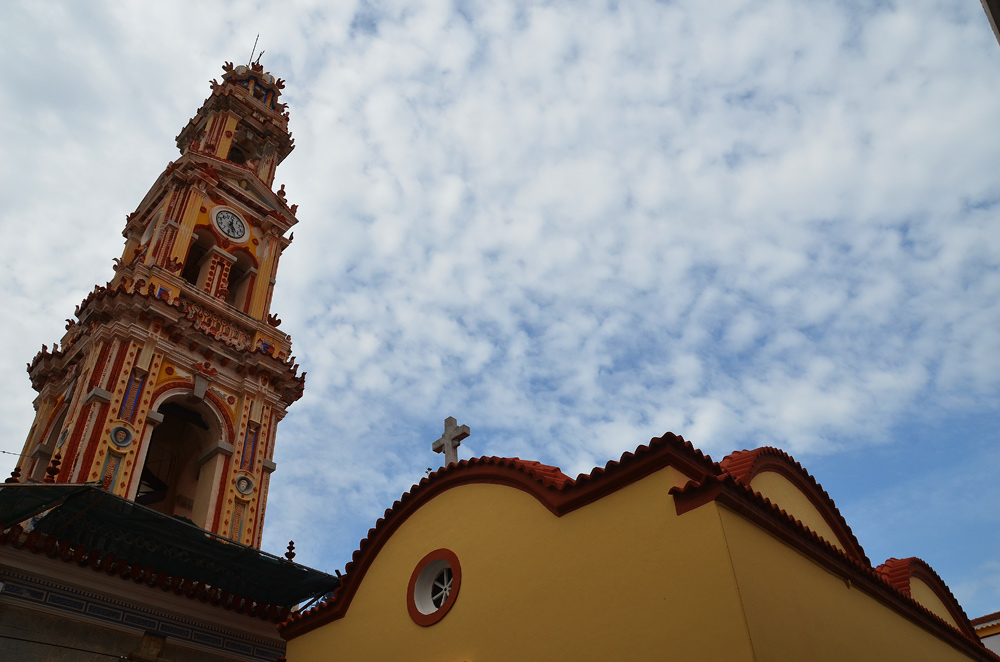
142 298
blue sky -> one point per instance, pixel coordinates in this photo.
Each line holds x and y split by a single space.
574 226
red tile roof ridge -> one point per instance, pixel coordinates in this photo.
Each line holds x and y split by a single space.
37 542
546 475
985 619
556 491
745 465
898 572
716 484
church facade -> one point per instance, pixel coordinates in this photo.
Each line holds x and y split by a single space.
663 554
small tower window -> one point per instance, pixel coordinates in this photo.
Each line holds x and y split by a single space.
245 146
237 155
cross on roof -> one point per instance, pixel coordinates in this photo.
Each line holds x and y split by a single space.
450 440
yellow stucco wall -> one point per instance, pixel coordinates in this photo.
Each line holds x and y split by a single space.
624 578
797 610
781 491
621 579
926 596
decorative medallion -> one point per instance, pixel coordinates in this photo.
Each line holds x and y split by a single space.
244 485
121 436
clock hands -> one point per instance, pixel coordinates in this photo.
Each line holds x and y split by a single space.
230 224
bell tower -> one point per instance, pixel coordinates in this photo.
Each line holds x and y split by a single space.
168 386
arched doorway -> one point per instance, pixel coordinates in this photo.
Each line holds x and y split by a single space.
179 474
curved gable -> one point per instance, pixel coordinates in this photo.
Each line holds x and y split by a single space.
915 579
559 493
776 476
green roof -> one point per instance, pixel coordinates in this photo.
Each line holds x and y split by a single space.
89 516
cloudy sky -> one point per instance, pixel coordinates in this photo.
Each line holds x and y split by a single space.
574 226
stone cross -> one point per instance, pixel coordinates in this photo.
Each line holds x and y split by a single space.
450 440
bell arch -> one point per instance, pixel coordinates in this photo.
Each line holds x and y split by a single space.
183 460
195 264
242 275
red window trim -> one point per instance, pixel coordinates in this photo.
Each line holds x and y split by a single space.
449 557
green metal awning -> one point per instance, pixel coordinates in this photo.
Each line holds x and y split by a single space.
89 516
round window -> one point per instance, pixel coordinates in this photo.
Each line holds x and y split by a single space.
433 587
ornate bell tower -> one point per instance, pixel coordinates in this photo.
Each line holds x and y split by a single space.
168 387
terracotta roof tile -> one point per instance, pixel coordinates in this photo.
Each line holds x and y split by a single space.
986 619
745 465
688 496
898 573
547 475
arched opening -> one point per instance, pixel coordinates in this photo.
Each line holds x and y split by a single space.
244 147
240 279
194 265
180 472
237 155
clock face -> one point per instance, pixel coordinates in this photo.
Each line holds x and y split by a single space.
230 224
